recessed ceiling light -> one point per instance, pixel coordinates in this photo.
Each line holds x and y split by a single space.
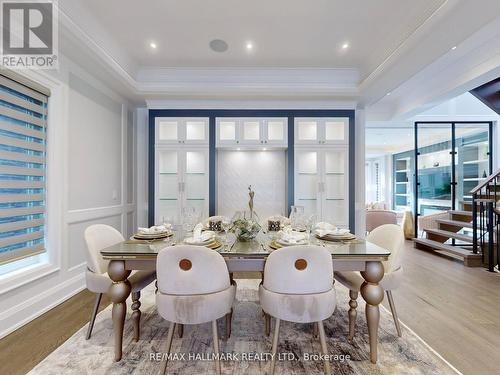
453 48
389 93
345 45
249 46
153 45
218 45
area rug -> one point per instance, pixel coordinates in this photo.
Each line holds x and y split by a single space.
246 350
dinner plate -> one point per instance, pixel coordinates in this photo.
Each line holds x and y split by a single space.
153 236
344 237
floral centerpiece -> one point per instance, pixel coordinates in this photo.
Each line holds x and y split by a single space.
247 227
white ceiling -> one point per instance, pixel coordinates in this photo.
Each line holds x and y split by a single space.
285 33
397 46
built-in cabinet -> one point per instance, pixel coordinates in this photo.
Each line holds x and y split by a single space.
252 131
322 168
181 131
321 131
181 167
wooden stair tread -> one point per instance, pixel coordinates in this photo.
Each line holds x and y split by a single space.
445 233
457 223
455 250
460 212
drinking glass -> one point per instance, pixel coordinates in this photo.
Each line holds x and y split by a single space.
226 225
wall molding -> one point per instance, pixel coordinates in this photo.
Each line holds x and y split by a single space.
23 313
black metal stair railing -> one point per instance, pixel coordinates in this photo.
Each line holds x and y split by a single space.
486 220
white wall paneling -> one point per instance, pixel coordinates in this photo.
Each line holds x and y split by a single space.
89 180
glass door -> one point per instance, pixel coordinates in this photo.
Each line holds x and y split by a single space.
335 200
451 160
195 182
307 181
434 169
472 164
168 186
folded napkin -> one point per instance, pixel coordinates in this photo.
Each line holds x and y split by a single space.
324 226
155 229
199 236
331 232
291 236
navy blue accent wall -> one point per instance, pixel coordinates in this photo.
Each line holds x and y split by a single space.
212 157
212 114
352 172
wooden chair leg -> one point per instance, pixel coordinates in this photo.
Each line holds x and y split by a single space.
216 346
180 330
229 317
136 314
322 339
353 304
275 345
168 344
94 314
267 318
315 330
393 311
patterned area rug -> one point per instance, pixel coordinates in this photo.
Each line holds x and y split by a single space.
247 346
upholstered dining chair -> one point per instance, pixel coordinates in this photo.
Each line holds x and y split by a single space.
390 237
193 288
376 218
298 287
98 237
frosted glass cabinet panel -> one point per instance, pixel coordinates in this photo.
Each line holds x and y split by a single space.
181 181
252 131
321 130
170 130
321 183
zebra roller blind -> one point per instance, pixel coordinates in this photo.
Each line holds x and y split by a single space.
23 120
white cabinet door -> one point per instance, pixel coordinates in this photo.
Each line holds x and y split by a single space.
307 180
181 130
168 130
334 186
195 180
182 178
251 131
227 131
195 131
275 132
307 131
168 183
335 130
321 130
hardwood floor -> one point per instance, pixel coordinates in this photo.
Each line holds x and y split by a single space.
455 309
24 348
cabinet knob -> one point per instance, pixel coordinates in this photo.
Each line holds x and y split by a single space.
265 141
237 141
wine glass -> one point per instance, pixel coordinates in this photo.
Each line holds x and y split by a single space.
225 225
310 224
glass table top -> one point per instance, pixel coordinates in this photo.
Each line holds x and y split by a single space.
231 248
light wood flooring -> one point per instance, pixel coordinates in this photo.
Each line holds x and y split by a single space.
455 309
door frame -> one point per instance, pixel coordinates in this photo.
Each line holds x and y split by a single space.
453 152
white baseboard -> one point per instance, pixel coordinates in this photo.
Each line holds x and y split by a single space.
21 314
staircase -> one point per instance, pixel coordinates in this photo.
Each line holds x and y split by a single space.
470 234
456 228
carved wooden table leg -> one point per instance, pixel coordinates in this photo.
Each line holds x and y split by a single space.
373 294
118 293
136 314
353 305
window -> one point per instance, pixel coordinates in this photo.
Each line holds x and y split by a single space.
23 120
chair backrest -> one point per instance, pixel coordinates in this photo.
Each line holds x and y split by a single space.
376 218
390 237
299 270
190 270
98 237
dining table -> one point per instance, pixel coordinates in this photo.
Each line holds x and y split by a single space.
244 256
